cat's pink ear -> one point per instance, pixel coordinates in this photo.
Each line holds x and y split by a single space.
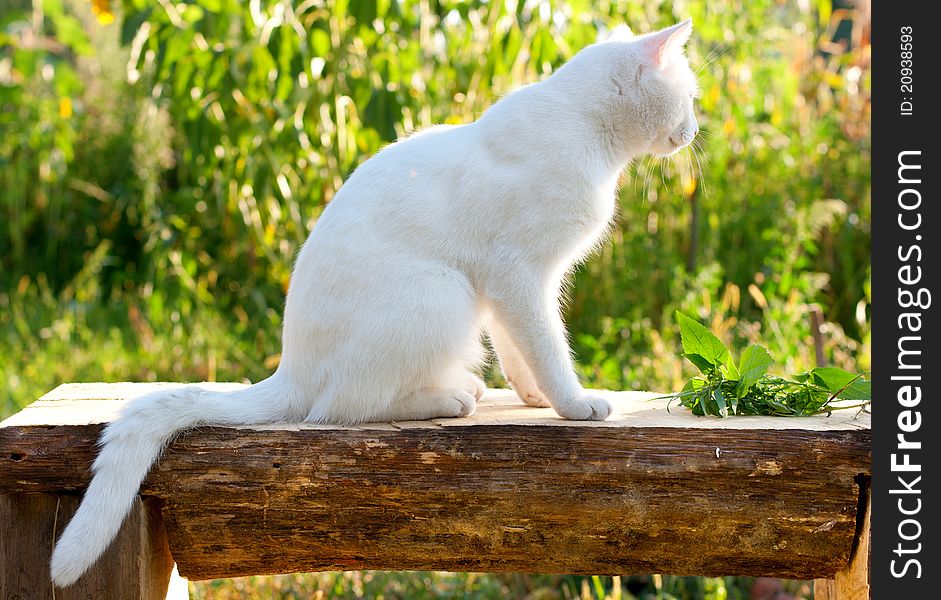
660 46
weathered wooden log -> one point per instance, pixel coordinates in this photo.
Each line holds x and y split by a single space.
137 566
512 488
852 582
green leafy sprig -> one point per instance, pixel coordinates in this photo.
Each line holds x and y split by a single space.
725 387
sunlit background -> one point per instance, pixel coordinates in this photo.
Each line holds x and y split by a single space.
162 162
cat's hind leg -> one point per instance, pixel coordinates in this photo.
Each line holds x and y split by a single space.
406 354
431 403
454 393
473 384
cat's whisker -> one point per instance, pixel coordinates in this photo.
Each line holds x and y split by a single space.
701 152
711 59
689 164
702 179
652 166
632 170
646 164
638 167
702 65
708 56
706 70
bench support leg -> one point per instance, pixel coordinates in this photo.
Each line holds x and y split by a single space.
852 583
137 565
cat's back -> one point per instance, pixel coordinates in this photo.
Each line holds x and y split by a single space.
417 159
413 179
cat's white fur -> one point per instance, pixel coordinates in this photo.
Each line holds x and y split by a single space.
453 231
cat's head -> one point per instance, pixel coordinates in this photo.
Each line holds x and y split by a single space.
642 88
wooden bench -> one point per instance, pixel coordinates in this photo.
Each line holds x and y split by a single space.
510 489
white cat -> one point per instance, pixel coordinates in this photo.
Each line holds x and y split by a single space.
455 230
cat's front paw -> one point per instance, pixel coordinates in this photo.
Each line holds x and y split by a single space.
586 408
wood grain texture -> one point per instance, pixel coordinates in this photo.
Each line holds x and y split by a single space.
853 582
136 566
511 489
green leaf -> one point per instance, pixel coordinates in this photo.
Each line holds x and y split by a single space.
193 13
753 364
132 23
733 404
861 389
320 40
700 361
70 32
719 397
708 402
831 379
694 385
730 370
364 11
698 340
213 6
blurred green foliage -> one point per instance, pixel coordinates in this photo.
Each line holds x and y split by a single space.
161 163
479 586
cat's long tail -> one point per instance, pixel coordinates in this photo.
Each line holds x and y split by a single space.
130 446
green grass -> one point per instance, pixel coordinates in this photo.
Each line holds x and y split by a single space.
415 585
